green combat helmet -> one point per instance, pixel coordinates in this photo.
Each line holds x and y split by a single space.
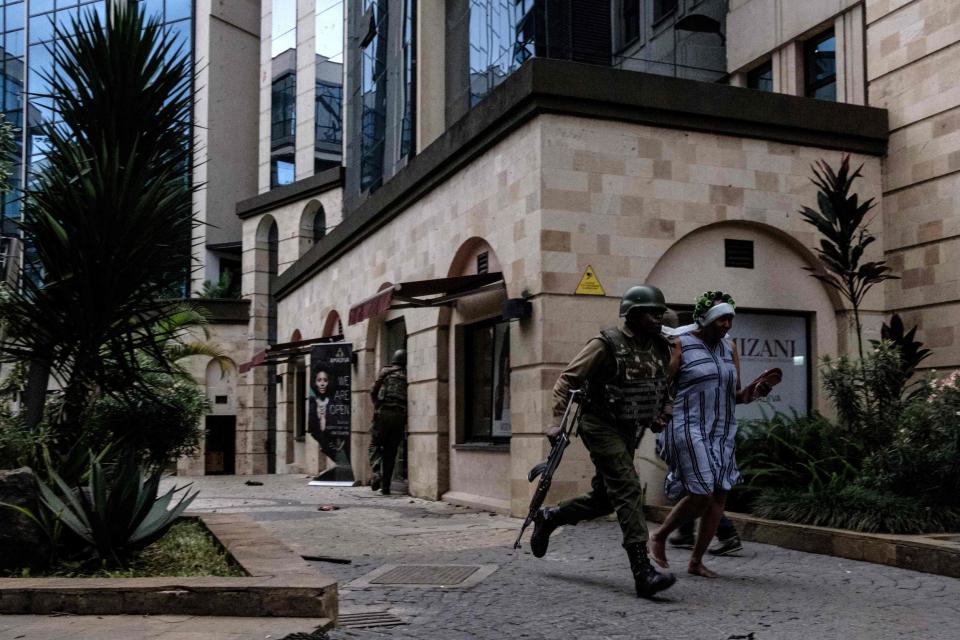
642 296
400 356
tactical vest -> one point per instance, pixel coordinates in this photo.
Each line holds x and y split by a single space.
393 390
630 396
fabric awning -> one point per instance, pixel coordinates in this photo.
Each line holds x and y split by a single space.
283 352
411 294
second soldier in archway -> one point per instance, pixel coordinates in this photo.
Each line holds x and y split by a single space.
389 420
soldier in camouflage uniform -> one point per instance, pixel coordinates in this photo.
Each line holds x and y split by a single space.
389 420
625 372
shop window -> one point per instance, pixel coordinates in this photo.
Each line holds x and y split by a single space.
629 22
761 78
487 381
820 67
662 8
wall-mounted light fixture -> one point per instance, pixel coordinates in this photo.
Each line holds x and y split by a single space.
516 309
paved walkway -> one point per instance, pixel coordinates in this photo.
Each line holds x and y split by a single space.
581 590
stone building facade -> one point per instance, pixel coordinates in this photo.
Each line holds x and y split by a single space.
545 183
563 167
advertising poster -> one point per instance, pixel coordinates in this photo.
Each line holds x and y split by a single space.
765 341
329 399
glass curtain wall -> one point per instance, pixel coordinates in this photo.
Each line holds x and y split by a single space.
283 100
328 96
27 44
373 87
502 37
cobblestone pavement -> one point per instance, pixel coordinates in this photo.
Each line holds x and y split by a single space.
581 590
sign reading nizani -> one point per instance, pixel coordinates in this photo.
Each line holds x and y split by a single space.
330 380
765 341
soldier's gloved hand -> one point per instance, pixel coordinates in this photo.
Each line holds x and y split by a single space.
552 433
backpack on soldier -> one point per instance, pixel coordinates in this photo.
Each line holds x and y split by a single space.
393 390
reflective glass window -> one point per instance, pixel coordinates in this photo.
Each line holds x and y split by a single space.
820 67
329 98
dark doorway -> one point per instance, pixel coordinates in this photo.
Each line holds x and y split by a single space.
220 450
397 339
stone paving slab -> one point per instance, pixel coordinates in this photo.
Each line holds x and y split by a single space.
152 627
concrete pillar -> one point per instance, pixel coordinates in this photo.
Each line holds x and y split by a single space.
306 88
431 70
851 81
788 69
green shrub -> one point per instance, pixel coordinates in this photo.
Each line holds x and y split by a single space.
793 451
922 460
160 421
856 508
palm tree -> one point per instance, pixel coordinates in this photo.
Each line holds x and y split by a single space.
108 222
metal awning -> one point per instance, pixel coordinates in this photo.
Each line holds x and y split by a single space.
407 295
284 352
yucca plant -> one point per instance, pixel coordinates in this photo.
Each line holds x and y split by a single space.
117 513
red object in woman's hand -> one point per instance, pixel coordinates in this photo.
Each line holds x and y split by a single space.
764 384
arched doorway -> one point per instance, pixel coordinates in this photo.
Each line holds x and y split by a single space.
480 390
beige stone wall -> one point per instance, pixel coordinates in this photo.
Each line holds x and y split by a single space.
294 228
913 68
774 30
757 27
225 116
231 341
558 194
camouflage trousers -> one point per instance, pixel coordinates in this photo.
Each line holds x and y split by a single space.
386 435
615 485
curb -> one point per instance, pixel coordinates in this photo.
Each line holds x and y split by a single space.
280 584
932 553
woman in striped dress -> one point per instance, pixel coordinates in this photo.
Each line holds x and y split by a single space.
699 441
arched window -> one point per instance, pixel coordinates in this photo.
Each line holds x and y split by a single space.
319 224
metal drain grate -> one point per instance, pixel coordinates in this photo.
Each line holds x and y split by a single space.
368 620
426 574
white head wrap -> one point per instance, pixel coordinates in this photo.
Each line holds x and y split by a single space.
716 311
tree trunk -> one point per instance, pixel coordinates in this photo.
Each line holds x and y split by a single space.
35 393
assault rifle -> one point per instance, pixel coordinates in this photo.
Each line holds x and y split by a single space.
569 424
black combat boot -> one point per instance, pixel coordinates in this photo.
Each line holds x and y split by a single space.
543 525
647 579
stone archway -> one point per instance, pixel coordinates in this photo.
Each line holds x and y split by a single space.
479 389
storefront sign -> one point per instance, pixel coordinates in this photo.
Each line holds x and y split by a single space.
330 380
765 341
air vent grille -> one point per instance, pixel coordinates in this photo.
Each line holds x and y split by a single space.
738 254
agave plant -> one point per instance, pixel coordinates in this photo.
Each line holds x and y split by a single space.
118 512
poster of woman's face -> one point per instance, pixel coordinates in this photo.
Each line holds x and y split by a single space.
329 410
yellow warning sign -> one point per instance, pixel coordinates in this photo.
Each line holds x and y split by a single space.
589 284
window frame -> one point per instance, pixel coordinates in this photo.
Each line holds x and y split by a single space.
756 72
469 370
622 41
664 13
810 86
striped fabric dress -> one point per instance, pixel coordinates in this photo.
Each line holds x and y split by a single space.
699 442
